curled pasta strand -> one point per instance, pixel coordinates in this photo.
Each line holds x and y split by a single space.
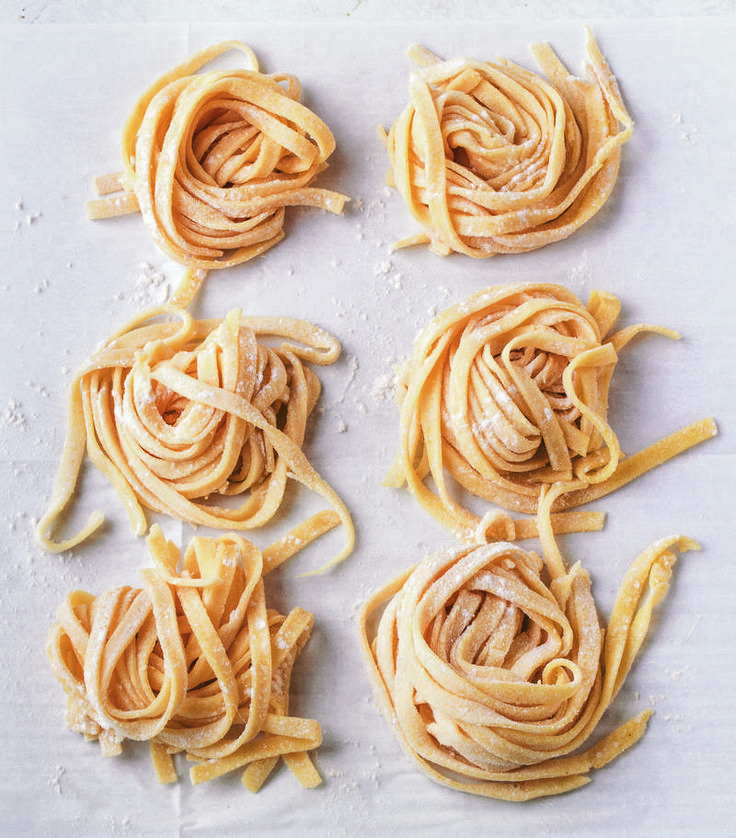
506 393
176 414
493 667
492 158
213 159
194 661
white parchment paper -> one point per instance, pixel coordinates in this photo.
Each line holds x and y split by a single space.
664 244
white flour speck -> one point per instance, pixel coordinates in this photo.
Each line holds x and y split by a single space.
12 416
151 285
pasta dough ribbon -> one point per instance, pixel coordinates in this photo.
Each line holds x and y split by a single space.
193 661
174 415
492 664
213 159
507 393
492 158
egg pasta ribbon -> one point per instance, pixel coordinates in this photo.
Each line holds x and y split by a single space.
178 414
492 158
506 393
213 159
192 662
494 671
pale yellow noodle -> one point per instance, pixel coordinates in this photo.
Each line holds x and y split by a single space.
492 668
213 159
192 662
507 392
492 158
177 414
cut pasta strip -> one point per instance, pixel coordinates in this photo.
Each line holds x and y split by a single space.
493 670
213 159
192 662
492 158
176 414
507 393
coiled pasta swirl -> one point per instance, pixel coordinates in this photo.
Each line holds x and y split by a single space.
507 392
491 158
193 661
175 414
212 160
493 667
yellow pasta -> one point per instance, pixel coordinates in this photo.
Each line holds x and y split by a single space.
177 412
492 158
194 662
212 160
506 393
493 669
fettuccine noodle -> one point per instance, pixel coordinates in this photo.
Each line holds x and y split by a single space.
174 414
507 392
492 158
491 665
212 160
194 662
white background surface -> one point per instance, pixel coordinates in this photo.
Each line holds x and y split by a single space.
664 244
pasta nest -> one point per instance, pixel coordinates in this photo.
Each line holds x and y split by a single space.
492 158
494 669
507 392
192 662
212 159
176 414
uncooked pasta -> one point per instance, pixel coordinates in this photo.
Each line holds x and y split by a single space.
182 414
213 159
492 158
493 670
506 393
192 662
